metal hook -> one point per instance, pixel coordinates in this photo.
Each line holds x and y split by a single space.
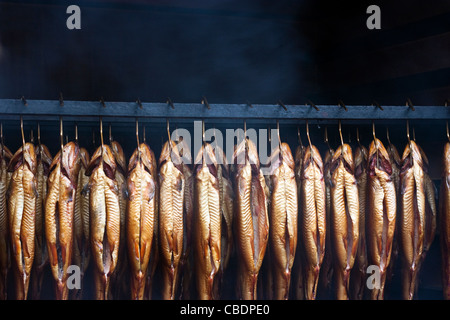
270 135
31 136
299 138
76 132
61 137
138 101
446 127
101 134
307 135
205 102
109 133
143 134
137 140
326 138
407 131
313 105
249 104
170 103
61 99
1 139
377 105
278 133
357 137
414 134
340 133
25 103
168 135
410 104
373 130
341 104
102 101
280 103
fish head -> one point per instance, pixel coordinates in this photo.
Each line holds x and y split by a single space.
411 155
394 155
312 154
147 158
299 156
206 158
170 153
24 155
119 156
70 161
379 158
109 163
184 150
84 157
5 153
343 153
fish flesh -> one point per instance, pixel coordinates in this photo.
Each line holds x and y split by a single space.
381 212
313 218
44 160
171 229
207 221
344 217
59 214
412 216
21 203
5 258
81 245
252 221
104 217
140 216
444 221
358 273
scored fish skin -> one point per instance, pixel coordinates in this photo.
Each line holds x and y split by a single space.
207 221
313 218
21 199
345 218
358 273
326 270
140 217
412 216
44 160
81 248
171 199
104 215
252 222
444 221
118 278
59 214
381 212
5 258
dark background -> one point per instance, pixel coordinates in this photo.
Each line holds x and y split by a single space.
231 52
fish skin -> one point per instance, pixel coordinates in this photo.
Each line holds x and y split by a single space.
207 222
381 213
412 216
313 218
358 273
44 160
5 254
140 218
81 245
104 218
59 214
252 222
444 219
171 199
21 201
344 218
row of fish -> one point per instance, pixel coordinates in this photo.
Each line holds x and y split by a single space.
308 223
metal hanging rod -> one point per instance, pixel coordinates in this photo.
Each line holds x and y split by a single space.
131 110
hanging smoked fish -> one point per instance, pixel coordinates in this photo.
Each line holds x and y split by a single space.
381 213
444 220
171 199
44 160
5 258
207 222
104 216
313 218
21 203
119 277
358 274
59 214
140 216
252 221
412 216
344 217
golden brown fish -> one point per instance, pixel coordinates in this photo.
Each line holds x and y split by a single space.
412 216
358 273
104 215
313 218
444 221
297 271
44 160
21 198
226 197
59 214
81 245
381 212
140 216
119 279
252 221
344 218
171 199
5 258
207 222
326 271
